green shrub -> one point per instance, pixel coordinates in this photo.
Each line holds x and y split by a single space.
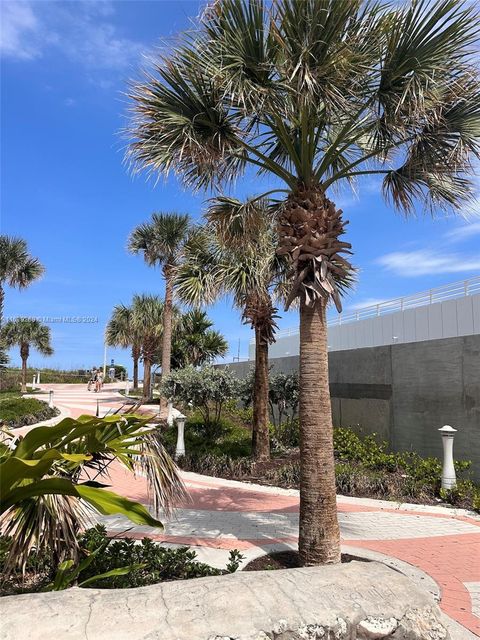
285 435
206 389
145 563
18 412
217 465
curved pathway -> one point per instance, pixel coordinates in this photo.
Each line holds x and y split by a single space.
221 515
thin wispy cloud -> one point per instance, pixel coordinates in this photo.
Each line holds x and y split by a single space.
83 31
424 262
464 232
367 302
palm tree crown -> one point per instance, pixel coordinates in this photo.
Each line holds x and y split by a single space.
317 93
17 267
26 333
195 342
160 240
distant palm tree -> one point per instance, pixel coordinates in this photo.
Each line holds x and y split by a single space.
17 267
147 322
161 241
238 257
315 94
195 342
27 333
120 333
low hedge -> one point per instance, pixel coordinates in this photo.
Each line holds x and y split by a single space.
19 412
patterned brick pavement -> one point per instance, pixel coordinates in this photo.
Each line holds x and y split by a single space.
221 515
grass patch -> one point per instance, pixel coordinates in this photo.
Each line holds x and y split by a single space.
17 411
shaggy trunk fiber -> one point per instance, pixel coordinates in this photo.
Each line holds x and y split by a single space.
2 300
135 357
147 378
24 353
167 330
260 313
319 535
260 433
309 232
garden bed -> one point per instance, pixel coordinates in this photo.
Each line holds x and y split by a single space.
19 412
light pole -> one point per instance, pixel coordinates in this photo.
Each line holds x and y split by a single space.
180 449
449 479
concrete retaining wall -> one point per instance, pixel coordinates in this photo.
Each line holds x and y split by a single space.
405 392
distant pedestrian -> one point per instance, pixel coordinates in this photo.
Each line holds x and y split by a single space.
99 381
92 380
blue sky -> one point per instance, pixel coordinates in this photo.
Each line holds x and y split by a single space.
65 189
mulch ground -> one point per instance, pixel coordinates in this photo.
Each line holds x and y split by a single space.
287 560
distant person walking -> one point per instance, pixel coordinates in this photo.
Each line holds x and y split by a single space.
99 381
93 379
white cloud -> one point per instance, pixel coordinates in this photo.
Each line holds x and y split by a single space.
428 262
81 30
367 302
18 23
464 232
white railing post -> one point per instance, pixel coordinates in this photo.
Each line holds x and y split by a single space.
465 287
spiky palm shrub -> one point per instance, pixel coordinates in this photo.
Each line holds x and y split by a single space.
316 93
161 241
27 334
195 342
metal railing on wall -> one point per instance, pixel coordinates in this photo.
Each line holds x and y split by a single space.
459 289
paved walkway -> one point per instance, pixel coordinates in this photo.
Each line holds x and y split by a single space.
222 515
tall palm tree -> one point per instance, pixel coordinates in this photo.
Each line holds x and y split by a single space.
238 257
316 94
120 333
195 342
147 314
17 267
161 241
27 333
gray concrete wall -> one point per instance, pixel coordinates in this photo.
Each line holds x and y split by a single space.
405 392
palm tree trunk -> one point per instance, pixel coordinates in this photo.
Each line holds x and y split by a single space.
167 329
2 300
260 433
135 357
24 373
319 535
147 378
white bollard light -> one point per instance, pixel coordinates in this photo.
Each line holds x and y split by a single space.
180 449
449 479
50 399
127 387
170 414
34 381
38 377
